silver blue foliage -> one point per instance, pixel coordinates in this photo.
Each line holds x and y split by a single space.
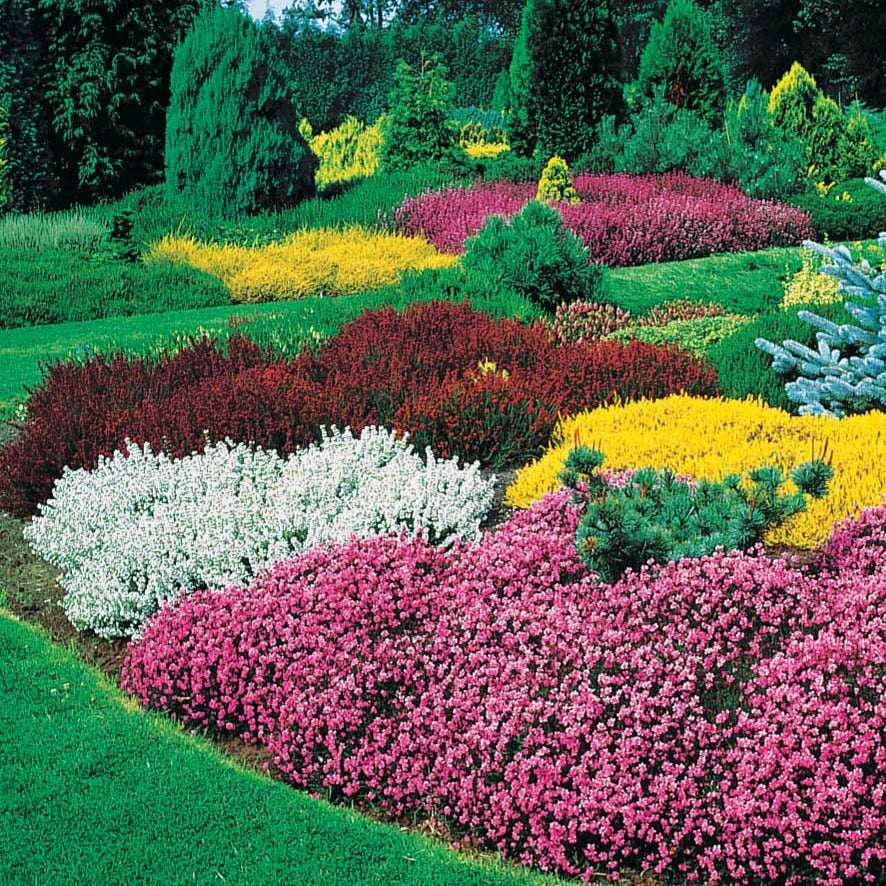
846 374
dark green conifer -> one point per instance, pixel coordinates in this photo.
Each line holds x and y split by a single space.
564 77
232 141
681 58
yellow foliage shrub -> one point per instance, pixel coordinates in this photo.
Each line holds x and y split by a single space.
351 150
809 285
486 152
713 437
481 143
323 261
555 184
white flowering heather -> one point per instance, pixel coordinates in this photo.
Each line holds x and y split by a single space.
142 527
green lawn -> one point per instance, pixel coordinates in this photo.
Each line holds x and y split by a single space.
743 283
95 791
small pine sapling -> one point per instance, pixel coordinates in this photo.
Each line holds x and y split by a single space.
659 517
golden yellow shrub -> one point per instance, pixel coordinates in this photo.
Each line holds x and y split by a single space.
809 285
486 151
350 151
323 261
713 437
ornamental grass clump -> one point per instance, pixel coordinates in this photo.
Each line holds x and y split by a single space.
143 528
656 517
733 705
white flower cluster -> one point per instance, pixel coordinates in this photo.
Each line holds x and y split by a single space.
142 527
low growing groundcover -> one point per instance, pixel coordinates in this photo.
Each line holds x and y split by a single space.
93 790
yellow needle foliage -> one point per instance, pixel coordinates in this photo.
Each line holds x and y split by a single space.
486 152
713 437
350 151
324 261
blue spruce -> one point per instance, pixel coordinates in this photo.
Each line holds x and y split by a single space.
847 374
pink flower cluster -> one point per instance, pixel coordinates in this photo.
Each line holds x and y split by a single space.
722 719
622 219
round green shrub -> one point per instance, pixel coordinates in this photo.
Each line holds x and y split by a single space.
863 216
535 255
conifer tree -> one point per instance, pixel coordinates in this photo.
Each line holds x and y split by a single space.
23 63
803 111
233 145
681 58
846 374
564 76
5 182
106 88
419 128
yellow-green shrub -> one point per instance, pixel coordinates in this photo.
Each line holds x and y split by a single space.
555 184
322 261
351 150
809 285
712 438
486 152
480 142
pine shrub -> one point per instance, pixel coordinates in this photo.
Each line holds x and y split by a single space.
658 517
232 140
535 255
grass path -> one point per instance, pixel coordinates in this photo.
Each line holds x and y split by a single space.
95 791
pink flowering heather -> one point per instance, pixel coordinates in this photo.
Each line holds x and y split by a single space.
720 719
623 220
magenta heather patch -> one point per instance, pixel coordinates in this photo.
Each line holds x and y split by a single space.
719 719
622 219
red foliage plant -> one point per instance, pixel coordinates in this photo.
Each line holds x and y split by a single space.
456 380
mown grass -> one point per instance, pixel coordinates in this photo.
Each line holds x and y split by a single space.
94 790
743 282
285 326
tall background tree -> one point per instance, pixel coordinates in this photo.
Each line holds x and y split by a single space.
232 140
419 128
565 75
682 59
24 65
106 87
